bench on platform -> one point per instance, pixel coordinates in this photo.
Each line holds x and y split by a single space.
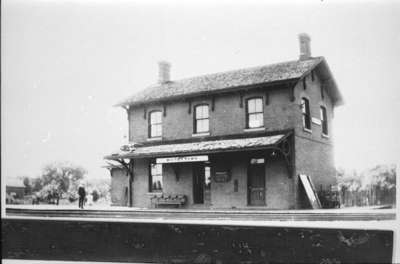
163 199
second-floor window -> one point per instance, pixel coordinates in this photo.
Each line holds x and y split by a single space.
324 121
155 124
305 109
155 179
201 119
254 113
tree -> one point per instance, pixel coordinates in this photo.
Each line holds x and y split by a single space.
50 192
28 185
372 186
61 177
36 184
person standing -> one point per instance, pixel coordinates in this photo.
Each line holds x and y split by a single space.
82 194
89 198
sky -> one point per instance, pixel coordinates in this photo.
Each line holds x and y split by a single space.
66 63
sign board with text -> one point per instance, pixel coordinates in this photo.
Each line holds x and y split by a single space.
182 159
316 121
222 176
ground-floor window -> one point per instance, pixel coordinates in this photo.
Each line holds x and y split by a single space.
155 178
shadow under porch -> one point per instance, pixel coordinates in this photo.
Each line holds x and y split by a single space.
245 179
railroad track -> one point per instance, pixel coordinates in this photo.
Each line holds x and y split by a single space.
373 215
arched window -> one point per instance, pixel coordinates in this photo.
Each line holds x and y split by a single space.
254 113
201 119
155 124
324 120
305 109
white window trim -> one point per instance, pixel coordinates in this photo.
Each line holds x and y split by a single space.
254 129
202 134
303 95
324 135
250 129
322 104
149 137
199 119
154 139
158 193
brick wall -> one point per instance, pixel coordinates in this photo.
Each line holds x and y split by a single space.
280 193
313 94
141 194
227 118
315 160
183 185
279 187
119 181
140 184
223 194
313 152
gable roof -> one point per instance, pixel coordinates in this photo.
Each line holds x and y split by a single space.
14 182
217 82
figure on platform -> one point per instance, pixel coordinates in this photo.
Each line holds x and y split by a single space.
82 194
89 198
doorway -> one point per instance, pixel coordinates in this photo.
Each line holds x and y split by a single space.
256 182
201 183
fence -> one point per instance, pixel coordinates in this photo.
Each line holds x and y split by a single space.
367 197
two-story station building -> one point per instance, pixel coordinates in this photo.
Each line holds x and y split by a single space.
236 139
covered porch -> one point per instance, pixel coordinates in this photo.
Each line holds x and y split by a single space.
234 173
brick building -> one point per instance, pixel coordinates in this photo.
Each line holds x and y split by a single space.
15 188
236 139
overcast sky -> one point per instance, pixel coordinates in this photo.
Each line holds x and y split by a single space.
65 63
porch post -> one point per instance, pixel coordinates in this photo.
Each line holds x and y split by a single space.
130 173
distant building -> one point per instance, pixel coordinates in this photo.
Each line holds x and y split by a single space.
15 188
236 139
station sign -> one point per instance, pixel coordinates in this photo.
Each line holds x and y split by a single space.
182 159
222 176
316 121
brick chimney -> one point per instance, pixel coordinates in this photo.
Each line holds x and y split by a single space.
305 49
163 72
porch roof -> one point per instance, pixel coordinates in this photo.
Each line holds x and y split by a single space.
202 147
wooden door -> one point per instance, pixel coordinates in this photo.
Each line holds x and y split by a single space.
198 183
256 184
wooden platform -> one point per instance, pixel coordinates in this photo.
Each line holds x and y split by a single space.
199 236
185 214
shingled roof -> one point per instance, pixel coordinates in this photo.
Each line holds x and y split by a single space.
202 147
217 82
